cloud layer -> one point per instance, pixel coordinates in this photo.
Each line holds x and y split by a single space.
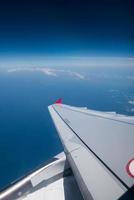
131 102
48 72
66 61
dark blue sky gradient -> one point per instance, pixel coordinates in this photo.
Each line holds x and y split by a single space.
59 27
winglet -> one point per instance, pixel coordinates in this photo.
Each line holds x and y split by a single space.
58 101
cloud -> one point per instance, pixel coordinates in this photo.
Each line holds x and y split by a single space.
77 75
131 102
48 71
66 61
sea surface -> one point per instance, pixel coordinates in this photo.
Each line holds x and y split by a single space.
27 134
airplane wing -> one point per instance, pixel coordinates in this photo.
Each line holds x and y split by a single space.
98 163
100 149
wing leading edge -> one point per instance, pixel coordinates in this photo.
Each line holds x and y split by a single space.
98 146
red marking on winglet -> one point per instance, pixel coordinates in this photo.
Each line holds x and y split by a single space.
58 101
129 168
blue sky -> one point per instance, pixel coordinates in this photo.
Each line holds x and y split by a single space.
72 27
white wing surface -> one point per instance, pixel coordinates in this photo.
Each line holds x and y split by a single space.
99 147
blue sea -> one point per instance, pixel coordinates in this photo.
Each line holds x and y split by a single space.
27 134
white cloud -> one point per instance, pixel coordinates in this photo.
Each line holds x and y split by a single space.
131 102
48 71
66 61
79 76
76 75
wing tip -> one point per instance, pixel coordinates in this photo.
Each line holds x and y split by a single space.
58 101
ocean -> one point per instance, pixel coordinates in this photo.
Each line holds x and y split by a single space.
27 134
